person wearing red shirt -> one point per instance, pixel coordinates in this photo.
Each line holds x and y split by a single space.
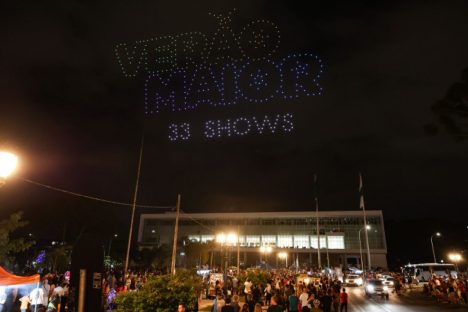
344 301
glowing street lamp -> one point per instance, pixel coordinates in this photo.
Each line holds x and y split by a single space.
432 244
284 255
367 228
8 162
456 258
226 240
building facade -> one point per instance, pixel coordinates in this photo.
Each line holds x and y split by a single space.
290 234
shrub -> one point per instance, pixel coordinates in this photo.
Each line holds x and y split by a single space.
162 294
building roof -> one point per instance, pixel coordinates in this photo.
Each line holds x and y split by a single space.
264 215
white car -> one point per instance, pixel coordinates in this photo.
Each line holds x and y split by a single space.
353 279
388 280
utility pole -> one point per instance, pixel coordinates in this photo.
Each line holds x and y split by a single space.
362 206
135 196
176 231
318 223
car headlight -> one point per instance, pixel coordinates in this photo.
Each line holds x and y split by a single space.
370 288
385 288
359 281
391 282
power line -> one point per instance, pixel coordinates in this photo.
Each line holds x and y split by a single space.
92 197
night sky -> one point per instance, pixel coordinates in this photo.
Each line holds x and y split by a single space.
76 121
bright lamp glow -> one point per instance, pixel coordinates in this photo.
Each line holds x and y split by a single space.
231 238
283 255
8 162
455 257
221 238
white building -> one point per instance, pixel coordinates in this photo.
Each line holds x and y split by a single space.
293 233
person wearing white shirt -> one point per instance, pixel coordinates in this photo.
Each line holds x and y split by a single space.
3 296
36 298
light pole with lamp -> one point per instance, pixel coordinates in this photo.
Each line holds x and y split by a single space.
265 250
432 244
284 255
110 243
225 241
367 227
8 162
456 258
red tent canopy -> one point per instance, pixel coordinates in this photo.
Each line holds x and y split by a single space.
7 279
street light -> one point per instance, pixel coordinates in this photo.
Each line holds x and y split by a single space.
8 162
432 244
456 258
284 255
367 227
110 243
266 250
225 241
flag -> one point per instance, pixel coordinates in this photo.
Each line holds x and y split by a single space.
315 187
361 200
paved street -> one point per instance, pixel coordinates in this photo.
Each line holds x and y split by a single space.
407 302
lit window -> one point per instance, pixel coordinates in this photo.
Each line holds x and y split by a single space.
336 242
314 241
268 239
207 238
285 241
301 241
252 240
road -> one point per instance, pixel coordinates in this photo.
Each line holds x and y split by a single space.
411 300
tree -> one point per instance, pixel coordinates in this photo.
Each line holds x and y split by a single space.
162 293
452 111
256 276
196 253
10 246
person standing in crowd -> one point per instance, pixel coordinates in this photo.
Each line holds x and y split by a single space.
268 291
327 301
344 301
227 307
53 304
304 298
247 288
274 306
245 308
36 297
293 302
3 297
250 303
235 303
46 287
316 306
181 307
220 302
24 303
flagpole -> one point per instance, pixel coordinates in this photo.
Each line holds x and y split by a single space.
135 196
318 224
176 232
362 206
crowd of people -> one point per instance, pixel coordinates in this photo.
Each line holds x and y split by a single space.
282 292
448 289
50 295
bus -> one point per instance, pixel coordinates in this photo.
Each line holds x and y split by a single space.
422 272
